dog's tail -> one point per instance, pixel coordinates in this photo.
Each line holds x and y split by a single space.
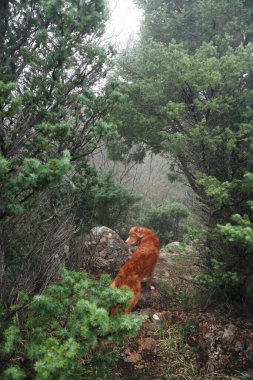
134 285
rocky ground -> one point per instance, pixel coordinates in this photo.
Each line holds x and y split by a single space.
184 338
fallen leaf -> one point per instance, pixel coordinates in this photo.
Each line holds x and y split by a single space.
131 356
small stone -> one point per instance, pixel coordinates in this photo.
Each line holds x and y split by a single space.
165 317
229 333
238 346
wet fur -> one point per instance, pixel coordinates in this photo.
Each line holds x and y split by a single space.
141 265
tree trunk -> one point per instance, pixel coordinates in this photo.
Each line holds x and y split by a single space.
2 261
4 10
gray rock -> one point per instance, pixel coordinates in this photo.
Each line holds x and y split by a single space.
105 251
165 318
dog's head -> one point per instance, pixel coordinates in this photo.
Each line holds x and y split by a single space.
136 233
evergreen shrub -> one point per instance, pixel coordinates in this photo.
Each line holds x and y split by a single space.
67 332
108 203
167 221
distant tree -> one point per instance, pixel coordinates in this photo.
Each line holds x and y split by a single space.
167 221
192 22
108 203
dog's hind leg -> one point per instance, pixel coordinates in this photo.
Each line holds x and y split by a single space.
149 279
135 299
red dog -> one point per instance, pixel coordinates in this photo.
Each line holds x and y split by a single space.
141 265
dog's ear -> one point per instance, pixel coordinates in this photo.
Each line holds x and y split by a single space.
139 231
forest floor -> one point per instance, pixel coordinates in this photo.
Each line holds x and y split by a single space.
184 338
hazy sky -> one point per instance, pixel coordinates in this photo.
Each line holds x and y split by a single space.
124 21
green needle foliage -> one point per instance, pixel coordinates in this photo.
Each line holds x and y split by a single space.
68 332
195 21
50 59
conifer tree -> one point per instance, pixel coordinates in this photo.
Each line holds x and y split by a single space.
187 90
51 103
